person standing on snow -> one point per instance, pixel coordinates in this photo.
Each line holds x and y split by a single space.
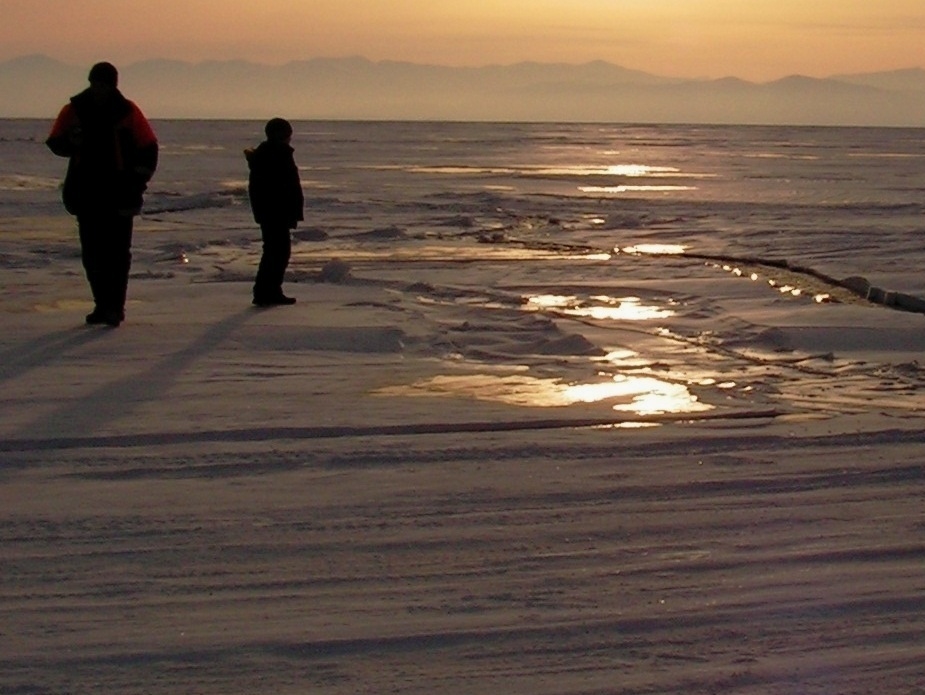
113 154
276 198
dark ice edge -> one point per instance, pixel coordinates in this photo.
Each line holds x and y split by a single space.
855 284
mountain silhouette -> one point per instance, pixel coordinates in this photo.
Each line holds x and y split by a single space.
358 88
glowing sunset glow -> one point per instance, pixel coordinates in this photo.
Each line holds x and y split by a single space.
709 38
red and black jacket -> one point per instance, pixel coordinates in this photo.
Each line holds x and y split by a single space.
113 154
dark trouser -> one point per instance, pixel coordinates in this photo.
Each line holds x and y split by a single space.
106 252
277 246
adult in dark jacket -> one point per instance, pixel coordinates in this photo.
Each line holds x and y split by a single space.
113 154
276 198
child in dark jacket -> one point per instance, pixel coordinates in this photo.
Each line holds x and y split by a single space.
276 198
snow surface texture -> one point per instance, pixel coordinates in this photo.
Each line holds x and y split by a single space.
497 446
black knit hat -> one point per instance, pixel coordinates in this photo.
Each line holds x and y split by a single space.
104 73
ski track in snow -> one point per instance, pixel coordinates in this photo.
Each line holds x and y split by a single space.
592 563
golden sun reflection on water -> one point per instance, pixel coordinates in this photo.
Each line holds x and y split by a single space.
634 189
642 395
653 250
447 253
626 382
648 395
604 307
627 170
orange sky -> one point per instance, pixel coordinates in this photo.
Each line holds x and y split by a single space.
754 39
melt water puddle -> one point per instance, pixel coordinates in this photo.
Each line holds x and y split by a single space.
600 307
642 395
412 253
625 380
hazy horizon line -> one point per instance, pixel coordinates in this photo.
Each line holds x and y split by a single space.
357 88
483 66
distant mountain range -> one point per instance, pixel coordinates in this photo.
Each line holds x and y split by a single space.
357 88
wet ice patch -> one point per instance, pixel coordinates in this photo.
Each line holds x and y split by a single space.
642 395
600 307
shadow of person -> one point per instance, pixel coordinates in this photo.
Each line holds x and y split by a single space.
88 414
42 351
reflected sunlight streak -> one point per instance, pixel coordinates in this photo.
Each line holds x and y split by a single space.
632 189
642 395
627 170
653 250
609 308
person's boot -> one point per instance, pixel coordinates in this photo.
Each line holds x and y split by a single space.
276 300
